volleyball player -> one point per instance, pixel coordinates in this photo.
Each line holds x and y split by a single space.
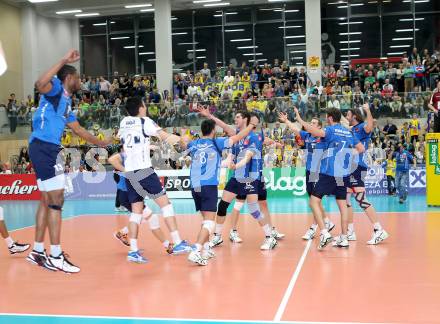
333 179
244 182
362 131
206 155
13 246
315 149
53 114
135 131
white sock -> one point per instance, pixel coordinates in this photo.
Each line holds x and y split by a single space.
9 241
267 230
351 227
176 237
377 226
324 231
343 236
166 244
198 247
327 220
314 226
218 229
206 246
55 250
134 245
124 230
39 246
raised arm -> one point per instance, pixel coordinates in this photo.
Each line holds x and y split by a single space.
283 118
81 132
43 84
204 111
369 125
245 132
315 131
247 157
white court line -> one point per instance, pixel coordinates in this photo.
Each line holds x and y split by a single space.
292 283
166 319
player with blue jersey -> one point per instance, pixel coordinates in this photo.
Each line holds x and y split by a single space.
244 180
315 148
234 237
206 156
362 131
49 120
335 171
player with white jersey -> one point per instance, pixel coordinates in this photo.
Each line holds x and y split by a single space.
142 181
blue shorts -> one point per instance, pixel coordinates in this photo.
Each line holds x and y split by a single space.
205 198
262 192
43 155
357 178
149 186
123 199
242 188
330 186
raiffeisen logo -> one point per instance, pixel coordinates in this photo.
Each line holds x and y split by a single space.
296 184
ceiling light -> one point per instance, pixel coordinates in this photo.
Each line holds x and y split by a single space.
270 9
417 1
68 12
138 5
296 44
286 27
40 1
252 54
200 57
402 38
396 53
147 10
350 33
241 40
334 3
410 19
258 60
219 4
351 23
104 23
352 5
351 55
247 47
350 49
187 43
151 60
406 30
297 36
297 58
291 10
197 50
400 46
276 0
298 51
90 14
174 18
233 30
122 37
181 33
146 53
132 46
349 42
205 1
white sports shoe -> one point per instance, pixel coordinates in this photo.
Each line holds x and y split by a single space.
310 234
324 239
208 254
339 242
196 257
378 236
234 237
269 243
63 264
216 241
277 235
351 236
329 226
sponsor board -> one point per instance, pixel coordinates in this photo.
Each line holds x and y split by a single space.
19 187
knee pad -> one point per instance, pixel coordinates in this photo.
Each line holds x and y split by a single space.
147 211
238 205
135 218
168 211
222 208
209 225
361 198
153 221
254 209
55 207
2 217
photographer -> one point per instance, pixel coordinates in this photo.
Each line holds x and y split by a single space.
12 110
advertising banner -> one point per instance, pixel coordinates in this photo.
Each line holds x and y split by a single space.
19 187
